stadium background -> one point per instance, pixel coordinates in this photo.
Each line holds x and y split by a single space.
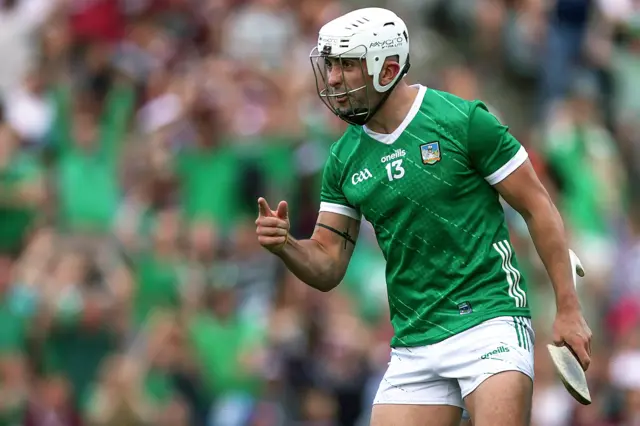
136 136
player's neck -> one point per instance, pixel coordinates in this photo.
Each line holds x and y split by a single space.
394 110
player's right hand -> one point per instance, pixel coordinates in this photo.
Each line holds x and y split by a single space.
272 227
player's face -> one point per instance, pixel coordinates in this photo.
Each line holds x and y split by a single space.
346 79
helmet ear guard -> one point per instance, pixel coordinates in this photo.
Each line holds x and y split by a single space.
375 65
387 89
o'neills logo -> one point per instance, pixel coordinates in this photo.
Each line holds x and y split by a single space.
396 154
499 350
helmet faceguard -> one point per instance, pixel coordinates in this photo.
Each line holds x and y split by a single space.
368 36
357 115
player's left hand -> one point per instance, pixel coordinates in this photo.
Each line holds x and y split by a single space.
571 329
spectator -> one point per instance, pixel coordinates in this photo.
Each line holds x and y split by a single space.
22 192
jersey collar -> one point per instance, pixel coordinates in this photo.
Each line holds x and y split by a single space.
390 138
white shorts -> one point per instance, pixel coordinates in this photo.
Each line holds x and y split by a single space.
446 372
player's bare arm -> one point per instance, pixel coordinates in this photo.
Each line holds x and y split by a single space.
526 194
321 261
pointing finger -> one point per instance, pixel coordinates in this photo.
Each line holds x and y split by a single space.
263 208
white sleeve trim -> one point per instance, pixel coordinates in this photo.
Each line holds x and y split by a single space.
339 209
510 167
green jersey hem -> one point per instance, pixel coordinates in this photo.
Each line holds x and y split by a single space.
408 342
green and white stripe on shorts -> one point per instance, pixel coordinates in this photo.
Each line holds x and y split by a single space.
521 326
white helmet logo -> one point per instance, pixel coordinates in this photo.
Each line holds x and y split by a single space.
386 44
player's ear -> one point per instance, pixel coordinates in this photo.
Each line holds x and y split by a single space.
390 70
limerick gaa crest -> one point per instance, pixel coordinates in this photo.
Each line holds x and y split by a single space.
430 152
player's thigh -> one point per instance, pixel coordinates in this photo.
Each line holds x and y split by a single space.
493 361
503 399
412 394
415 415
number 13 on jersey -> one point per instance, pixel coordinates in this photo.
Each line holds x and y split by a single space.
395 170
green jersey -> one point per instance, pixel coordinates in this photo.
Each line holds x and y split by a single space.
427 189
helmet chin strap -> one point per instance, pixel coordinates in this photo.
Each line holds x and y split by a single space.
358 118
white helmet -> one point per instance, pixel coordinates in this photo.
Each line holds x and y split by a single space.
371 34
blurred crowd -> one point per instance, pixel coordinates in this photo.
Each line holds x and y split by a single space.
136 136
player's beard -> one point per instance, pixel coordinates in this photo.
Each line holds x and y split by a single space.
354 109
